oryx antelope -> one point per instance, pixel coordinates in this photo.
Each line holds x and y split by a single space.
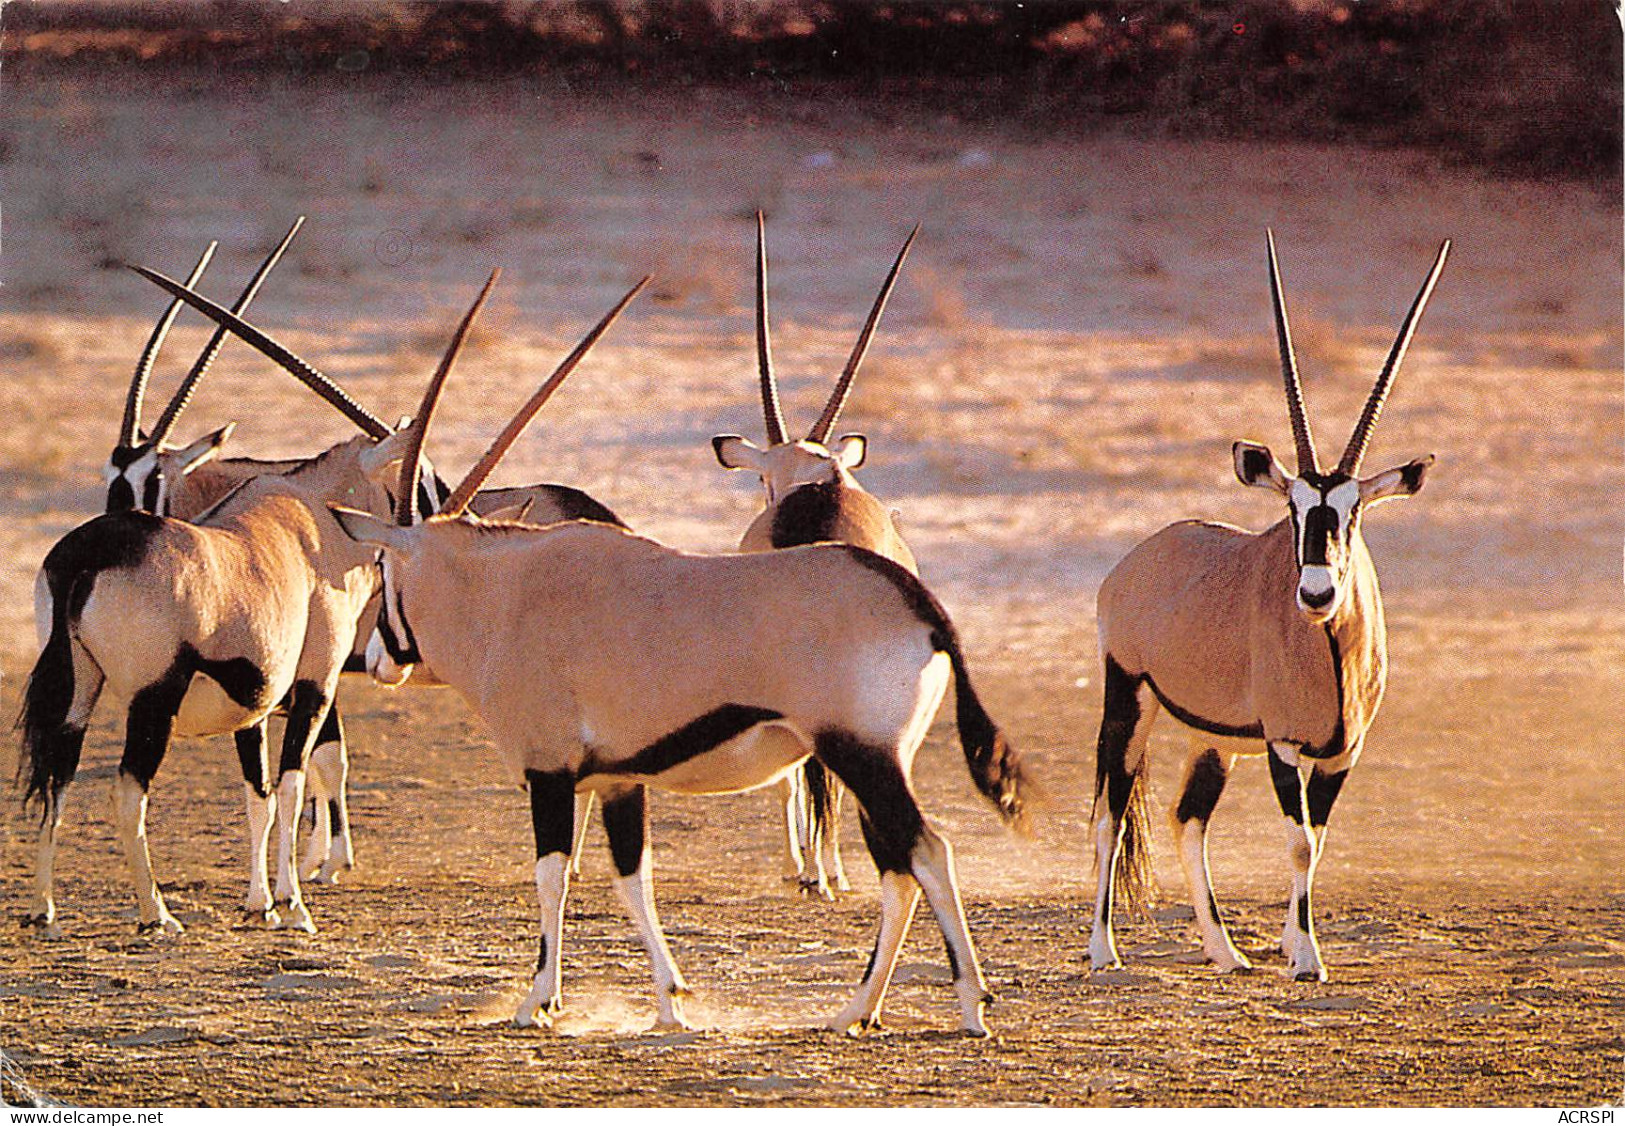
330 848
1272 637
546 631
204 628
812 497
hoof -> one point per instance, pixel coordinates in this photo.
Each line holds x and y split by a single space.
166 924
977 1031
675 1024
813 889
261 917
45 925
1232 964
1309 975
294 916
536 1016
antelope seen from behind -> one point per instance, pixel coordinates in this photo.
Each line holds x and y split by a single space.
603 661
204 628
812 497
1267 642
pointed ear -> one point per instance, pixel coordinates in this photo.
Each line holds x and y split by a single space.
734 452
1257 468
851 451
378 457
364 527
202 450
1404 481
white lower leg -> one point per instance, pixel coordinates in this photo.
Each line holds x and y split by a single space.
42 908
1298 941
899 892
330 849
545 998
261 814
584 802
1102 946
790 800
290 799
130 814
1216 942
832 839
933 867
637 893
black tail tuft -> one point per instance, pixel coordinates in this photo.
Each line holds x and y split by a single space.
49 752
820 801
995 764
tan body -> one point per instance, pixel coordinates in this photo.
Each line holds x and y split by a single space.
1258 643
1283 680
202 629
824 650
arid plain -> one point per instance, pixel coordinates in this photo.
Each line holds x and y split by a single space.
1081 332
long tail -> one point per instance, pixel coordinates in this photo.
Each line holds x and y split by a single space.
48 762
995 765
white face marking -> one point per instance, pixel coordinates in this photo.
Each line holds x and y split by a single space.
1320 585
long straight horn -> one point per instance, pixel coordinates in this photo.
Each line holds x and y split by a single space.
1305 441
837 398
406 499
130 428
1373 405
764 350
183 395
465 491
370 424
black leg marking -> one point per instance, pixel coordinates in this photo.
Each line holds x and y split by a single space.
552 810
1322 791
1120 717
953 959
890 816
626 822
1202 789
150 722
332 729
541 958
307 704
335 814
1303 914
251 754
874 953
1288 787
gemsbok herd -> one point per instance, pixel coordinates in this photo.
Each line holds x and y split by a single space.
214 592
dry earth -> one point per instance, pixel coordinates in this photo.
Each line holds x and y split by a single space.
1081 332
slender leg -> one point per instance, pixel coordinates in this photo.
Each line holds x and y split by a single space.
1298 941
261 807
813 782
1205 776
552 818
330 849
626 822
910 857
789 791
584 803
1125 726
832 837
306 711
148 727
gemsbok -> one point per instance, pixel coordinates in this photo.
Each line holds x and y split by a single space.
330 848
604 661
204 628
812 497
1273 637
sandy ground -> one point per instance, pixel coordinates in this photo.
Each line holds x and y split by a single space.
1082 330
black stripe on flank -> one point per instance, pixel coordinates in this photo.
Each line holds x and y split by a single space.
1254 730
238 677
693 739
807 514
